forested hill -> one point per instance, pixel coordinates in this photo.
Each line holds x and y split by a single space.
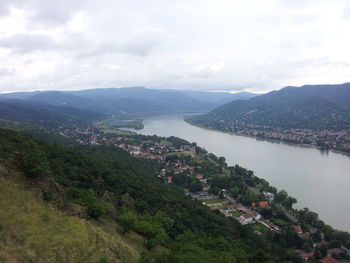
118 101
46 115
314 107
105 183
134 101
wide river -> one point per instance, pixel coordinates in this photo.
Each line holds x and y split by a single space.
320 181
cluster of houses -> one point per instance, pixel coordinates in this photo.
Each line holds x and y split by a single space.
338 140
331 253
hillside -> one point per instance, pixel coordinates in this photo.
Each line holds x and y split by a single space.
314 107
35 230
160 212
46 115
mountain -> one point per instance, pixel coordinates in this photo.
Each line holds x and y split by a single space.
216 98
314 107
122 101
135 101
46 115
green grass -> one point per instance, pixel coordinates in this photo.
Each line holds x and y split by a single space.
261 228
234 213
213 201
118 132
166 142
280 222
32 230
180 154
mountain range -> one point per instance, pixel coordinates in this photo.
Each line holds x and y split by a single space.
314 107
138 101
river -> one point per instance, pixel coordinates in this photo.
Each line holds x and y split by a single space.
319 180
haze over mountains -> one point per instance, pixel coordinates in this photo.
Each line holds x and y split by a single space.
136 100
314 107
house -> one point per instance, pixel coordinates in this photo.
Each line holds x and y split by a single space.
199 176
269 196
328 259
260 204
135 152
245 219
256 216
169 179
305 255
322 243
249 217
335 251
232 207
297 229
204 181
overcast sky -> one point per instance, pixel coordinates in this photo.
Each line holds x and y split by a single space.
254 45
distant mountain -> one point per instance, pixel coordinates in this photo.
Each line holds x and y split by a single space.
139 100
216 98
131 101
314 107
45 114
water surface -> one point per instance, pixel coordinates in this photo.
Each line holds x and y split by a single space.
320 181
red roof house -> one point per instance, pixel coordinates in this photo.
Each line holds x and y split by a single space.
260 204
169 179
305 255
329 259
297 229
199 176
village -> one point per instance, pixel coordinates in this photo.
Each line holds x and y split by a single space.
182 164
323 139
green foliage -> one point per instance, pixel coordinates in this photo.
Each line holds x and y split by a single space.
97 209
161 212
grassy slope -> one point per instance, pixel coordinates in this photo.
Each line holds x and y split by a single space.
32 230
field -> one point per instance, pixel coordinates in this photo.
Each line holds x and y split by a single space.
215 203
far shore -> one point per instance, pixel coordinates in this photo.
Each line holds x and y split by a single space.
269 139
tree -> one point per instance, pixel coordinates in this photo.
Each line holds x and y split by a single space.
97 209
127 219
214 190
289 202
281 196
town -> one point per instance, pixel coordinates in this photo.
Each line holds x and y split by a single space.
233 192
322 139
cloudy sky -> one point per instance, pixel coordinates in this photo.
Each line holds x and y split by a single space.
221 45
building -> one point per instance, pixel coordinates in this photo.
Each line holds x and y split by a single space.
169 179
269 196
305 255
329 259
297 229
260 204
199 176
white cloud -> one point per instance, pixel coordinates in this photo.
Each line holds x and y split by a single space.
193 44
111 67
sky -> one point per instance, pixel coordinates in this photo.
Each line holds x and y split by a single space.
211 45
